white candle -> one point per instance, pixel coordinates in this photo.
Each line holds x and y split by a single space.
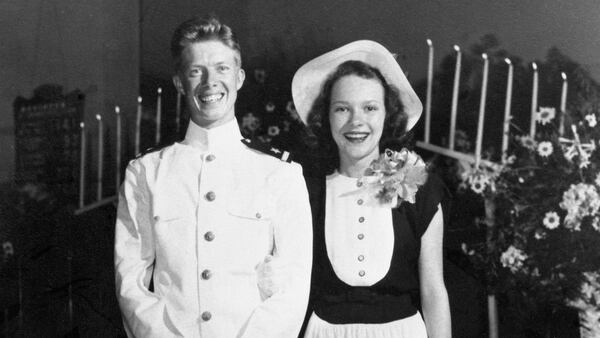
507 106
429 85
82 166
534 98
455 97
484 81
118 146
178 113
100 156
138 122
158 115
563 105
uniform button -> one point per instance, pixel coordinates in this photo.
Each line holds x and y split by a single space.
361 273
258 215
359 202
206 316
360 236
209 236
206 274
210 196
210 158
359 184
361 219
361 258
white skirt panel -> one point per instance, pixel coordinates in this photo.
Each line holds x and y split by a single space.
410 327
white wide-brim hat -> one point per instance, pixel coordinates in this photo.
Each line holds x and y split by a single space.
308 80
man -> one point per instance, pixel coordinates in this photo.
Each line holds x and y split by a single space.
199 216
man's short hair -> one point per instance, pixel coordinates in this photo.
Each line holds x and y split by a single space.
199 29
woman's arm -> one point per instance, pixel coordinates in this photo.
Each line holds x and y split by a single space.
434 297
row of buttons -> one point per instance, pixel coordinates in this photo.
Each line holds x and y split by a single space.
360 236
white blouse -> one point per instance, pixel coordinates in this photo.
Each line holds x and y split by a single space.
359 235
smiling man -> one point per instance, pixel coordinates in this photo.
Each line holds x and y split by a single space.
198 217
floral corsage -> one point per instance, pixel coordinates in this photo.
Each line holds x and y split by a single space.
394 177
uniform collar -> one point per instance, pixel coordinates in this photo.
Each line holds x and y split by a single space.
225 137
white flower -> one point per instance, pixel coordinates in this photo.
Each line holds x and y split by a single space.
545 149
513 259
273 131
579 201
270 107
539 234
591 120
250 122
528 142
551 220
545 115
478 185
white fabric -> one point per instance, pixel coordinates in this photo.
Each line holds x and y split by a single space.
409 327
260 208
342 228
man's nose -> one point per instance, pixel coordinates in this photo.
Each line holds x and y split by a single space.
208 78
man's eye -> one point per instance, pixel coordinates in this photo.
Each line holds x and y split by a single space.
195 72
223 68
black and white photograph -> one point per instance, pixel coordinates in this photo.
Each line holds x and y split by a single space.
310 169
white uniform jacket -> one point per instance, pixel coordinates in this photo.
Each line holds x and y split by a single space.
199 216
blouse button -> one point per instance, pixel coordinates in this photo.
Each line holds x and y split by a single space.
361 219
360 236
210 196
359 202
361 258
361 273
210 158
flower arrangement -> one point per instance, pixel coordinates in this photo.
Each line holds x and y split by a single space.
394 177
547 215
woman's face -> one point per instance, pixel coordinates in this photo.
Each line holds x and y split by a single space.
356 115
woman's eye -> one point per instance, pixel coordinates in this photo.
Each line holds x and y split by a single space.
372 108
340 109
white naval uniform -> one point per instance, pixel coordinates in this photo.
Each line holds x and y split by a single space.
198 217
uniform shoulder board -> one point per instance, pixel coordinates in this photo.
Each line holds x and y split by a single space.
153 149
268 149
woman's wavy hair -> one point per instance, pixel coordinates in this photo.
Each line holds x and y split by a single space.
320 138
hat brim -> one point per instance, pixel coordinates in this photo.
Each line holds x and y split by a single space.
308 80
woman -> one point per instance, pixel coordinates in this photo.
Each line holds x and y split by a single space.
372 255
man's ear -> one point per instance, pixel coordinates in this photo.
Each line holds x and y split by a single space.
178 84
241 77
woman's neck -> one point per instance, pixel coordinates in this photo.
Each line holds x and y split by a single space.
356 167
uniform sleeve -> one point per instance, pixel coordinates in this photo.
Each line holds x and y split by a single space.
282 314
433 193
141 309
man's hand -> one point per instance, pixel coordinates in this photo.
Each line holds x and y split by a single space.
269 276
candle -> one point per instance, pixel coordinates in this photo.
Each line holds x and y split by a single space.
158 115
82 166
563 105
429 84
534 97
455 97
178 113
118 146
484 81
138 122
507 106
100 156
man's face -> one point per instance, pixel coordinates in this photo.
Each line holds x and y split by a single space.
209 78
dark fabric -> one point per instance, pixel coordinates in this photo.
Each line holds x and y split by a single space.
393 297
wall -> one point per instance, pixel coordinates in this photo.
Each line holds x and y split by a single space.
88 45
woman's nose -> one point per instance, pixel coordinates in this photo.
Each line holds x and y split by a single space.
357 117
